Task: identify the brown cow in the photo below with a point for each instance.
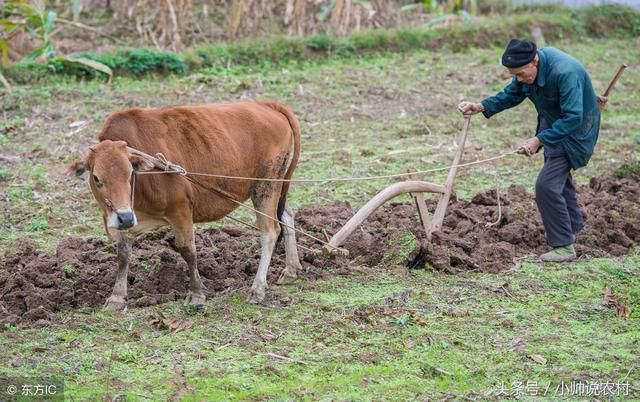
(248, 139)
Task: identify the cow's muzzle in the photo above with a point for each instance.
(122, 219)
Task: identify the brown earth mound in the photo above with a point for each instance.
(473, 239)
(35, 285)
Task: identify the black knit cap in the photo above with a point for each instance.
(518, 53)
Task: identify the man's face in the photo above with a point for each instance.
(526, 73)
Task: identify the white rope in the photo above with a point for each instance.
(258, 229)
(180, 170)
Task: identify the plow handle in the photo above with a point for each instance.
(614, 80)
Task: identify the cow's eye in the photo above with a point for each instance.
(97, 180)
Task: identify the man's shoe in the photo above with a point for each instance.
(560, 254)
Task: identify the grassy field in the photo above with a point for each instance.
(383, 333)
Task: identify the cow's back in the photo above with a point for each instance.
(234, 139)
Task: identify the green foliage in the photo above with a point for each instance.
(140, 61)
(128, 62)
(401, 321)
(494, 7)
(448, 11)
(562, 23)
(90, 66)
(32, 73)
(10, 328)
(38, 21)
(542, 8)
(21, 193)
(629, 170)
(259, 53)
(611, 18)
(33, 18)
(38, 223)
(441, 7)
(400, 246)
(69, 270)
(410, 39)
(373, 40)
(319, 43)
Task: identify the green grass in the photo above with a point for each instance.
(452, 335)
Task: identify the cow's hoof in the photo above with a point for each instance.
(196, 300)
(116, 303)
(286, 277)
(256, 296)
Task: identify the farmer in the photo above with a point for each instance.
(568, 124)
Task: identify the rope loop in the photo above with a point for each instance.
(170, 166)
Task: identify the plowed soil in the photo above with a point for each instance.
(81, 273)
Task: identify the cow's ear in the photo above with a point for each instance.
(77, 168)
(140, 164)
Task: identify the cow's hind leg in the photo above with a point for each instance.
(182, 225)
(117, 300)
(269, 232)
(291, 249)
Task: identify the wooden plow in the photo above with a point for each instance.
(416, 188)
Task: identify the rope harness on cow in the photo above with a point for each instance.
(167, 167)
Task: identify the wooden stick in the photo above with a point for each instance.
(438, 215)
(614, 80)
(5, 83)
(377, 201)
(423, 212)
(270, 354)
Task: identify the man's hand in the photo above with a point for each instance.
(602, 102)
(530, 146)
(469, 108)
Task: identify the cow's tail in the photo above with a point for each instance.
(294, 156)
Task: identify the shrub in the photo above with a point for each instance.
(319, 43)
(141, 61)
(611, 18)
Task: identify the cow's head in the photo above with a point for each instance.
(111, 168)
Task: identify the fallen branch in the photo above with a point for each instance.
(284, 358)
(6, 84)
(89, 28)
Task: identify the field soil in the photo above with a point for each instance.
(81, 273)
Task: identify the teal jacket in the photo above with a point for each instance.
(563, 94)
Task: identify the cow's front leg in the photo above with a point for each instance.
(117, 300)
(196, 296)
(182, 225)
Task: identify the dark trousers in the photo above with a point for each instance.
(556, 196)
